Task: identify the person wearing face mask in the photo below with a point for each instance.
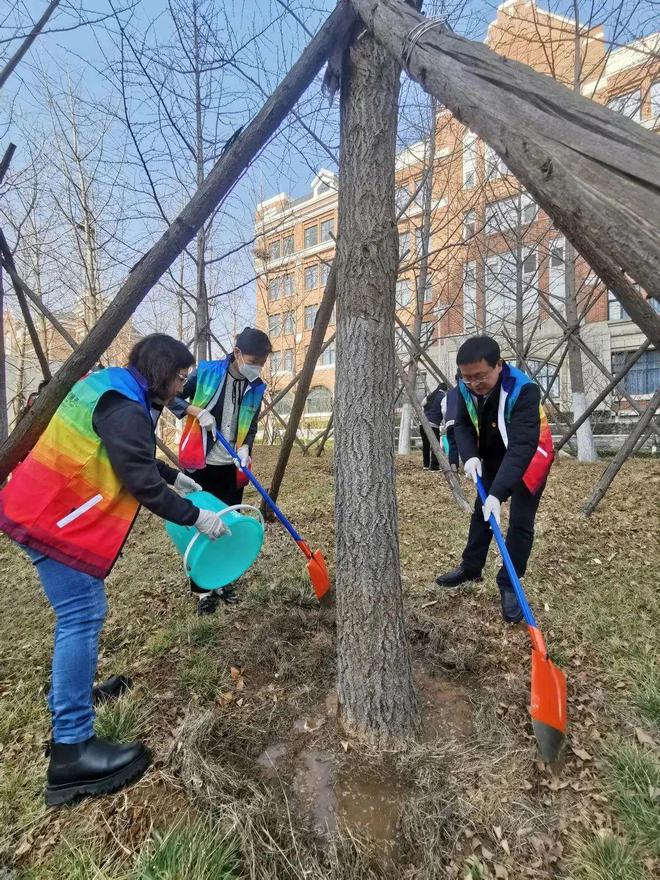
(222, 395)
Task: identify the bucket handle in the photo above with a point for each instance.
(220, 513)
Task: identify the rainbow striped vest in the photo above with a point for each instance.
(513, 381)
(210, 380)
(64, 499)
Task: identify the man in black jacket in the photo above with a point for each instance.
(502, 437)
(432, 405)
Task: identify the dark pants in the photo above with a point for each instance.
(219, 480)
(453, 447)
(519, 536)
(428, 457)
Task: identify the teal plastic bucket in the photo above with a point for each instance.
(213, 564)
(445, 444)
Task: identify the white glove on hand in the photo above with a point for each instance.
(209, 523)
(185, 484)
(243, 452)
(492, 505)
(472, 468)
(207, 421)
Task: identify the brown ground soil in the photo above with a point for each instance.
(240, 708)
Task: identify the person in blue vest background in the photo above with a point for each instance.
(222, 395)
(449, 407)
(503, 437)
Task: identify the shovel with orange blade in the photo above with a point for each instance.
(548, 697)
(316, 567)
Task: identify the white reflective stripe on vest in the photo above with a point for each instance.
(501, 421)
(70, 517)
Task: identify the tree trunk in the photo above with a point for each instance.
(405, 426)
(586, 447)
(146, 272)
(27, 42)
(375, 684)
(4, 416)
(592, 171)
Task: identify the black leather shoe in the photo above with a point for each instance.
(111, 689)
(93, 767)
(229, 595)
(511, 611)
(456, 577)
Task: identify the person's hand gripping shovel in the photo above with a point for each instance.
(318, 572)
(548, 687)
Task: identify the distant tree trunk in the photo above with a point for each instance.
(202, 321)
(4, 420)
(585, 438)
(375, 685)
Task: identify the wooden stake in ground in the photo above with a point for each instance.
(617, 462)
(594, 172)
(375, 686)
(229, 168)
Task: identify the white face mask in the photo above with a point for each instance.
(250, 371)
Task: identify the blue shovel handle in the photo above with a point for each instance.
(506, 558)
(257, 485)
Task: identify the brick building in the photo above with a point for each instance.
(495, 262)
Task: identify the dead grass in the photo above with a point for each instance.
(213, 693)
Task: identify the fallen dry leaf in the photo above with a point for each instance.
(644, 738)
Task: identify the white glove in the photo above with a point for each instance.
(472, 468)
(207, 421)
(243, 452)
(492, 505)
(185, 484)
(209, 523)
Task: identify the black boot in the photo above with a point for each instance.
(511, 611)
(207, 603)
(456, 577)
(93, 767)
(229, 595)
(111, 689)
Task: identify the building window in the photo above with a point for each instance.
(275, 362)
(428, 289)
(287, 285)
(274, 325)
(615, 311)
(495, 167)
(643, 377)
(287, 360)
(557, 281)
(319, 401)
(274, 250)
(401, 198)
(311, 236)
(404, 238)
(501, 216)
(469, 224)
(325, 272)
(402, 293)
(499, 289)
(528, 208)
(274, 289)
(310, 316)
(287, 246)
(426, 332)
(629, 105)
(470, 297)
(544, 377)
(288, 323)
(469, 159)
(283, 407)
(311, 277)
(654, 93)
(327, 230)
(327, 358)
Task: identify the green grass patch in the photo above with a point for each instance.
(605, 858)
(201, 852)
(201, 674)
(646, 689)
(190, 630)
(122, 720)
(78, 860)
(634, 777)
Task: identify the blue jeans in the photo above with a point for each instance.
(80, 606)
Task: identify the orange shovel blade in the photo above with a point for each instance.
(548, 703)
(318, 574)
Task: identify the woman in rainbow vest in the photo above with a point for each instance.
(503, 436)
(222, 395)
(71, 504)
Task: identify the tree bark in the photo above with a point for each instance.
(27, 42)
(586, 447)
(593, 171)
(4, 415)
(304, 382)
(227, 170)
(375, 684)
(621, 456)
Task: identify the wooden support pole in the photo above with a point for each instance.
(4, 416)
(603, 394)
(27, 42)
(6, 160)
(617, 462)
(323, 316)
(436, 446)
(225, 173)
(423, 353)
(594, 172)
(326, 435)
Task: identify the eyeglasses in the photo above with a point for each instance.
(181, 378)
(478, 378)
